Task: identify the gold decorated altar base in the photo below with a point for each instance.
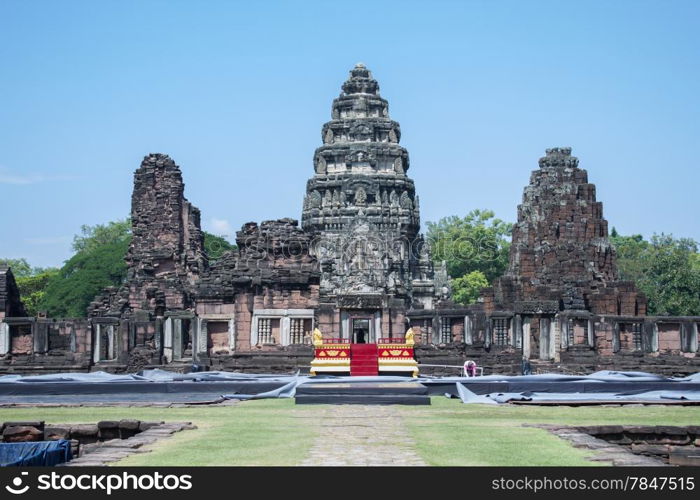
(334, 356)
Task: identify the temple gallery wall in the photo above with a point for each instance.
(357, 268)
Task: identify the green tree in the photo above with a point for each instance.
(83, 276)
(32, 289)
(476, 242)
(466, 289)
(216, 246)
(97, 264)
(665, 269)
(19, 267)
(92, 237)
(632, 256)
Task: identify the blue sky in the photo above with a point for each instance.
(237, 92)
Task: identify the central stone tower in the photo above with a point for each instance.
(362, 211)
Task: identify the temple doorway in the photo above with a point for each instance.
(361, 330)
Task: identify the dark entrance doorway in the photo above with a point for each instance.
(360, 330)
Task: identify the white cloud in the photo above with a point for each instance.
(9, 177)
(220, 227)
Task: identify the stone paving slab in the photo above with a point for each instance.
(362, 435)
(603, 451)
(117, 449)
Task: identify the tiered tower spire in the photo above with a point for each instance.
(360, 202)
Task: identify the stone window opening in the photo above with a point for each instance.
(21, 339)
(218, 336)
(300, 330)
(446, 330)
(500, 331)
(268, 331)
(182, 339)
(428, 329)
(637, 336)
(105, 348)
(630, 336)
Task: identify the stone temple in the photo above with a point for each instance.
(357, 269)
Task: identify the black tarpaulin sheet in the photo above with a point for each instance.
(164, 386)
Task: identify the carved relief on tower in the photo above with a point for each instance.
(394, 199)
(364, 262)
(405, 201)
(360, 158)
(361, 132)
(328, 136)
(320, 164)
(328, 199)
(392, 136)
(398, 165)
(314, 200)
(360, 197)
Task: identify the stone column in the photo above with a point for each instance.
(545, 339)
(565, 334)
(40, 334)
(4, 338)
(177, 338)
(378, 325)
(232, 335)
(517, 323)
(554, 349)
(526, 338)
(98, 342)
(285, 327)
(345, 332)
(254, 330)
(168, 340)
(201, 336)
(111, 345)
(591, 333)
(468, 330)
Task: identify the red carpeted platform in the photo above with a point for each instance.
(363, 360)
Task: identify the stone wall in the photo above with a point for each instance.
(38, 345)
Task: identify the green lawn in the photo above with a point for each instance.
(276, 432)
(451, 433)
(267, 432)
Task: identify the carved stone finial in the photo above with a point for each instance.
(558, 158)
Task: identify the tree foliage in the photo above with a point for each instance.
(20, 267)
(665, 269)
(476, 242)
(466, 289)
(85, 275)
(93, 237)
(32, 289)
(216, 246)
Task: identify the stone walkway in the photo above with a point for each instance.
(362, 435)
